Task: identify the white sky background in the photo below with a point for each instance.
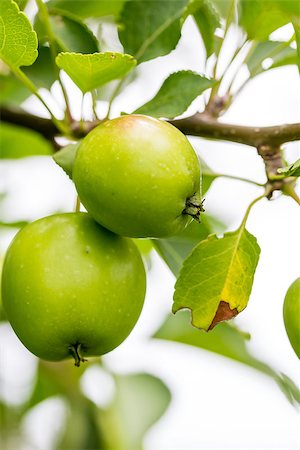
(217, 404)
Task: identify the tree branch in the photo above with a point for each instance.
(205, 126)
(19, 117)
(200, 124)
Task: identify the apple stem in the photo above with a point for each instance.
(75, 352)
(193, 207)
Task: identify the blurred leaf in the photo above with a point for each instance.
(19, 142)
(285, 57)
(21, 3)
(71, 34)
(87, 8)
(175, 249)
(56, 379)
(144, 245)
(292, 170)
(280, 52)
(260, 18)
(215, 281)
(208, 175)
(19, 224)
(81, 431)
(176, 94)
(18, 41)
(207, 20)
(42, 71)
(141, 399)
(150, 28)
(297, 34)
(92, 71)
(12, 91)
(226, 340)
(222, 6)
(65, 158)
(289, 388)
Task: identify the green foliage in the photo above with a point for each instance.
(167, 103)
(297, 34)
(148, 29)
(65, 158)
(211, 271)
(293, 170)
(70, 33)
(12, 91)
(207, 175)
(280, 52)
(175, 249)
(260, 18)
(87, 8)
(218, 270)
(42, 71)
(141, 399)
(225, 340)
(222, 7)
(207, 20)
(19, 142)
(92, 71)
(21, 3)
(18, 41)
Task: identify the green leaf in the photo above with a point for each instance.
(65, 158)
(18, 41)
(21, 4)
(222, 7)
(71, 34)
(207, 175)
(284, 58)
(19, 142)
(280, 52)
(87, 8)
(42, 71)
(207, 20)
(141, 399)
(225, 340)
(176, 94)
(12, 91)
(293, 170)
(92, 71)
(175, 249)
(297, 34)
(215, 281)
(19, 224)
(260, 18)
(148, 29)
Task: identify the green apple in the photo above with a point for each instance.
(71, 287)
(291, 315)
(138, 177)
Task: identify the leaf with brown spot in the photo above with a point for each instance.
(215, 281)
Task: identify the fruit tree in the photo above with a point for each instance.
(130, 103)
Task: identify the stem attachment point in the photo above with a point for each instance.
(193, 207)
(75, 352)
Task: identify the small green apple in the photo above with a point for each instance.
(71, 287)
(291, 315)
(138, 177)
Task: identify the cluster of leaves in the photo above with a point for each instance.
(67, 35)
